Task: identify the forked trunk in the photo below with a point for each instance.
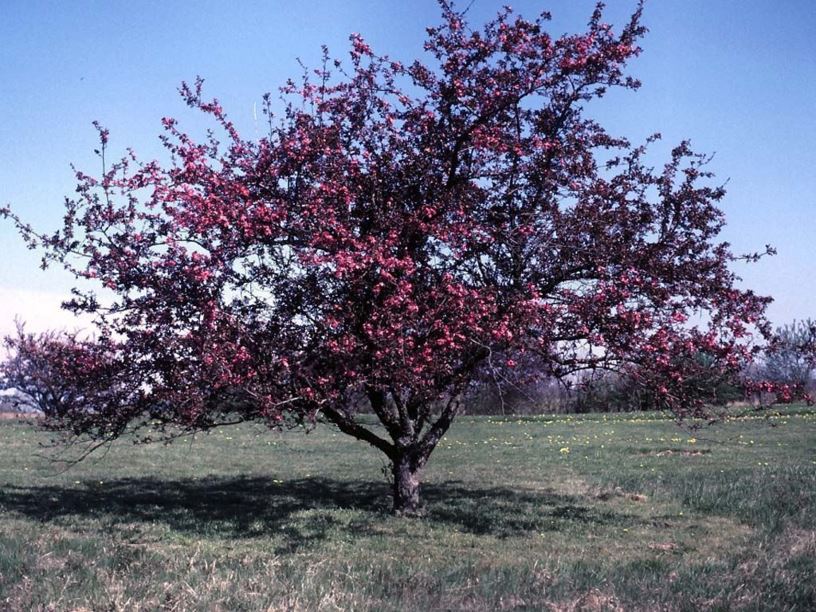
(406, 470)
(407, 451)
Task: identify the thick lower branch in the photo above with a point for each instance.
(379, 404)
(348, 426)
(439, 427)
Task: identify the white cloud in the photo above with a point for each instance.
(39, 310)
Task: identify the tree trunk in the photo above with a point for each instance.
(406, 469)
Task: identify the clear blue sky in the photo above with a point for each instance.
(737, 78)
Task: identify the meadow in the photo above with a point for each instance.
(597, 512)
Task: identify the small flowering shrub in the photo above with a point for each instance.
(402, 230)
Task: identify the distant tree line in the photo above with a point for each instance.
(784, 371)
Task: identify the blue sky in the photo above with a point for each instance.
(737, 78)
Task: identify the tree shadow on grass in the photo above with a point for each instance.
(300, 511)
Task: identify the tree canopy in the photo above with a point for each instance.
(402, 230)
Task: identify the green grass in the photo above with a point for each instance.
(564, 513)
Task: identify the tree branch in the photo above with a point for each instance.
(348, 426)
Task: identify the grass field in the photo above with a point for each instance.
(566, 513)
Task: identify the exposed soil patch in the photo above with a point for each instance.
(685, 452)
(4, 416)
(608, 494)
(664, 546)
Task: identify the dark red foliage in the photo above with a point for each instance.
(401, 229)
(78, 385)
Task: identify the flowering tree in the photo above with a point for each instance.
(61, 375)
(787, 364)
(401, 231)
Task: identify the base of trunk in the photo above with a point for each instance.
(406, 488)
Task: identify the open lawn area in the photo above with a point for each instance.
(564, 513)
